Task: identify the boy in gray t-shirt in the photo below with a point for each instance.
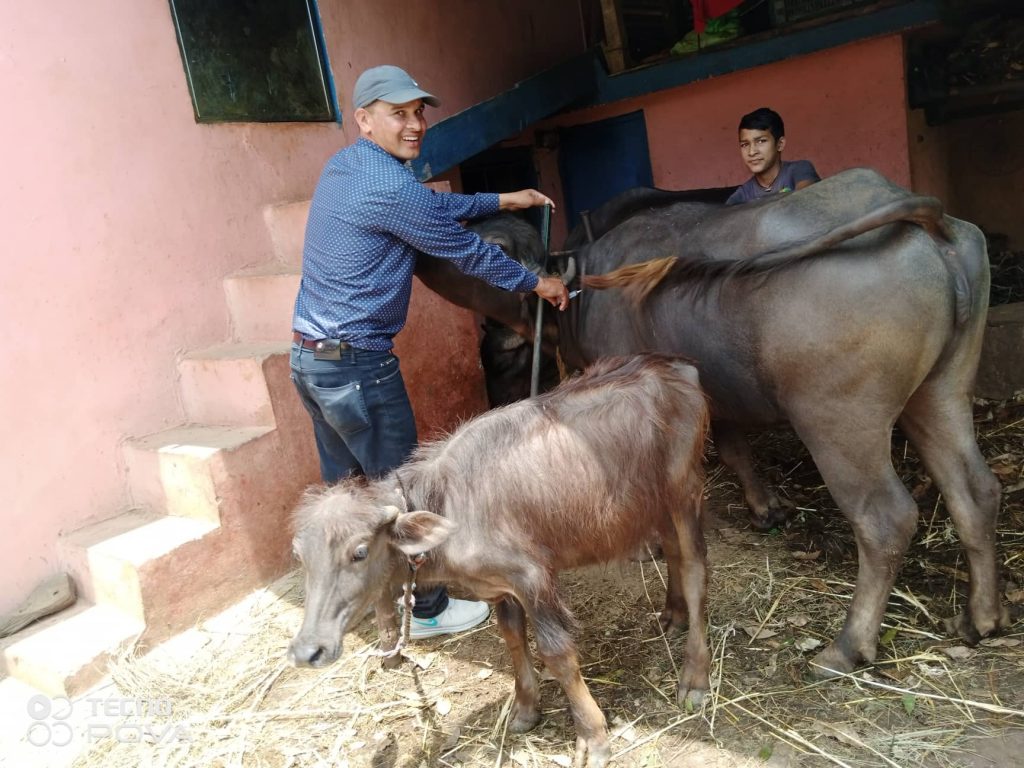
(762, 138)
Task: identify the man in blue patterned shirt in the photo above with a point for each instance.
(368, 219)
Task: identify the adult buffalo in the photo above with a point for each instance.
(842, 309)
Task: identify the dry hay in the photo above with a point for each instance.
(774, 598)
(1007, 268)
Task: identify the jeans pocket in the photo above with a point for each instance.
(343, 407)
(388, 370)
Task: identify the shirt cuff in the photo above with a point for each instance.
(490, 201)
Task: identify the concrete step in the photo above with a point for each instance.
(286, 223)
(184, 471)
(153, 575)
(1001, 368)
(68, 652)
(213, 500)
(261, 302)
(225, 385)
(247, 479)
(114, 561)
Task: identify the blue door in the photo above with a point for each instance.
(600, 160)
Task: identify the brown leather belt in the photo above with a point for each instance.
(305, 343)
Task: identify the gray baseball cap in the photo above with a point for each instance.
(390, 84)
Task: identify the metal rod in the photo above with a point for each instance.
(585, 215)
(545, 236)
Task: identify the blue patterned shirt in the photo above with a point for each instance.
(368, 218)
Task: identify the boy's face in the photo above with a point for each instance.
(759, 150)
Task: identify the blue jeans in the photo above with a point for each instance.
(362, 421)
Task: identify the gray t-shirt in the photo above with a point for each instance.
(786, 181)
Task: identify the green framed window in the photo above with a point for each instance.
(254, 60)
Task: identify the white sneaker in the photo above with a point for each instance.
(459, 616)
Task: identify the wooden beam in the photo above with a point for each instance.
(780, 45)
(483, 125)
(614, 36)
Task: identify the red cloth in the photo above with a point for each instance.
(710, 9)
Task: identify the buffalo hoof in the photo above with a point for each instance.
(774, 515)
(391, 662)
(971, 631)
(831, 663)
(690, 699)
(524, 720)
(592, 753)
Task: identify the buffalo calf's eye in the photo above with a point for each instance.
(360, 553)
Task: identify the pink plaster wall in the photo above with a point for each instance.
(843, 107)
(463, 51)
(121, 216)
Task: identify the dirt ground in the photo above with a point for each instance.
(774, 598)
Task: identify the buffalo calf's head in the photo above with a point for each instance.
(352, 540)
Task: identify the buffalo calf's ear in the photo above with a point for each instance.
(416, 532)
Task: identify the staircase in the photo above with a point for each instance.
(211, 499)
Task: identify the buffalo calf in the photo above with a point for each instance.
(584, 474)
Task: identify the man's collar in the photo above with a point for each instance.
(365, 142)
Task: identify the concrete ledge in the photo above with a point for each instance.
(181, 470)
(286, 223)
(225, 385)
(110, 558)
(66, 653)
(1001, 370)
(261, 303)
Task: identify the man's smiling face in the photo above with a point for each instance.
(396, 128)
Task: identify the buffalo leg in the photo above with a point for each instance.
(857, 468)
(512, 623)
(555, 647)
(693, 578)
(674, 615)
(942, 430)
(733, 449)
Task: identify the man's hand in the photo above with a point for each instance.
(554, 291)
(524, 198)
(551, 289)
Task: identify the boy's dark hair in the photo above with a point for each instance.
(764, 119)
